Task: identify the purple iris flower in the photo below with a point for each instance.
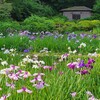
(94, 36)
(83, 72)
(89, 66)
(81, 64)
(69, 38)
(26, 50)
(55, 36)
(72, 66)
(74, 36)
(90, 61)
(67, 33)
(82, 35)
(77, 41)
(32, 37)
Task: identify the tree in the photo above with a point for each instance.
(2, 1)
(59, 4)
(96, 7)
(25, 8)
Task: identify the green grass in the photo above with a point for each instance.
(60, 85)
(55, 45)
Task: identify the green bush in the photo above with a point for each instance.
(96, 7)
(36, 23)
(59, 23)
(7, 27)
(5, 10)
(71, 26)
(82, 25)
(95, 16)
(85, 25)
(95, 23)
(23, 9)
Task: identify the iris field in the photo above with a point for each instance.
(50, 66)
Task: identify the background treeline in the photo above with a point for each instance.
(21, 9)
(44, 15)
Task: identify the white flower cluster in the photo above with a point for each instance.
(3, 63)
(72, 52)
(44, 50)
(34, 61)
(82, 45)
(92, 54)
(11, 51)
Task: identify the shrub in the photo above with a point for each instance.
(36, 23)
(82, 25)
(95, 23)
(26, 8)
(85, 25)
(5, 10)
(95, 16)
(7, 27)
(71, 26)
(96, 7)
(59, 23)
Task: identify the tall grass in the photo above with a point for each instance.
(53, 44)
(61, 86)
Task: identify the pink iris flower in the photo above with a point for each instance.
(48, 67)
(73, 65)
(24, 89)
(13, 67)
(13, 76)
(40, 85)
(26, 74)
(4, 97)
(19, 72)
(11, 85)
(73, 94)
(36, 74)
(38, 77)
(83, 72)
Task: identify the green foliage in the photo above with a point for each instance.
(95, 23)
(36, 23)
(23, 9)
(95, 16)
(96, 7)
(59, 24)
(58, 45)
(88, 25)
(5, 10)
(20, 43)
(96, 30)
(68, 3)
(7, 27)
(96, 10)
(83, 25)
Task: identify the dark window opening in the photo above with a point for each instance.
(76, 16)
